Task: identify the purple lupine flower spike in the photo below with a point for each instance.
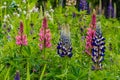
(64, 46)
(98, 49)
(83, 5)
(17, 76)
(110, 10)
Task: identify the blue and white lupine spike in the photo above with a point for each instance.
(64, 46)
(98, 49)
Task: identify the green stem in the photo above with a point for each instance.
(41, 76)
(66, 67)
(1, 12)
(43, 71)
(28, 71)
(21, 49)
(5, 11)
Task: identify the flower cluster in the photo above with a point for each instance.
(17, 76)
(45, 35)
(70, 2)
(110, 10)
(21, 39)
(64, 46)
(90, 34)
(98, 49)
(83, 5)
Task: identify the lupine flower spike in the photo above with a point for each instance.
(98, 49)
(100, 7)
(64, 46)
(83, 5)
(21, 38)
(17, 76)
(115, 10)
(110, 10)
(90, 34)
(45, 35)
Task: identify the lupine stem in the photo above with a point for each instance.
(66, 67)
(41, 76)
(44, 68)
(1, 12)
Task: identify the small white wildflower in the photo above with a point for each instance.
(18, 15)
(24, 12)
(5, 17)
(24, 1)
(34, 9)
(18, 5)
(14, 13)
(48, 15)
(51, 19)
(19, 9)
(3, 7)
(8, 16)
(5, 3)
(4, 20)
(51, 10)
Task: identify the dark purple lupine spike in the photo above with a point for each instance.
(83, 5)
(98, 49)
(17, 76)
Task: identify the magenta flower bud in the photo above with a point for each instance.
(44, 24)
(21, 27)
(93, 23)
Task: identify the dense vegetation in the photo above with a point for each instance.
(31, 63)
